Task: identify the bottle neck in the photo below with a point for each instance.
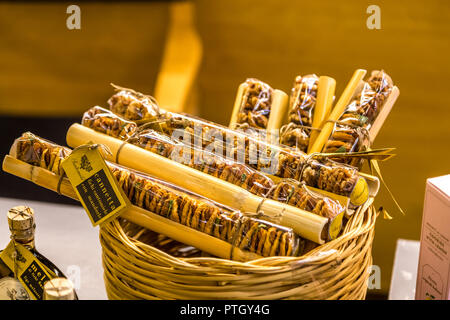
(29, 244)
(24, 237)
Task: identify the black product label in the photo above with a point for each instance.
(98, 196)
(34, 279)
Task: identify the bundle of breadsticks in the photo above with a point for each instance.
(171, 202)
(262, 195)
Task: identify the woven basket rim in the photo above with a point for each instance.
(335, 270)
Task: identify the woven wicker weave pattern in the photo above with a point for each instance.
(336, 270)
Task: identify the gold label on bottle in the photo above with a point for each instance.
(94, 184)
(29, 271)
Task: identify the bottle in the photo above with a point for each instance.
(22, 226)
(59, 289)
(10, 286)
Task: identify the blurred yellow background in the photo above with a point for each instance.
(48, 70)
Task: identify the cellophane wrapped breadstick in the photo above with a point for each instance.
(179, 205)
(231, 171)
(283, 162)
(40, 152)
(255, 106)
(301, 110)
(246, 233)
(133, 105)
(207, 162)
(175, 248)
(299, 196)
(235, 173)
(105, 121)
(350, 132)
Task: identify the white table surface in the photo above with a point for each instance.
(64, 235)
(404, 273)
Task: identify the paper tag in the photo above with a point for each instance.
(31, 273)
(96, 187)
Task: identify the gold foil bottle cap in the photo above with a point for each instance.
(21, 219)
(59, 289)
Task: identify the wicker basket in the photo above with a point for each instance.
(139, 264)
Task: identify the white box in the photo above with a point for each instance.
(433, 273)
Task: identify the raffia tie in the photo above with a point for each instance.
(259, 214)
